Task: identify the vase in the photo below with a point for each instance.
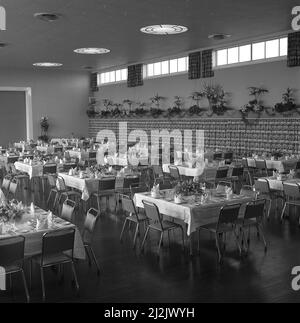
(177, 199)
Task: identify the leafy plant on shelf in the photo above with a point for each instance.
(177, 109)
(155, 110)
(108, 104)
(116, 112)
(141, 109)
(195, 109)
(44, 123)
(129, 104)
(91, 111)
(288, 102)
(216, 97)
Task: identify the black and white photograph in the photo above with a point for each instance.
(149, 154)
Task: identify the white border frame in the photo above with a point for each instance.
(28, 103)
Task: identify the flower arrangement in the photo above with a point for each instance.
(177, 107)
(44, 123)
(156, 111)
(255, 105)
(288, 102)
(116, 112)
(12, 211)
(216, 97)
(108, 105)
(189, 187)
(195, 109)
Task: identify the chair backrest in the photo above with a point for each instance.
(157, 171)
(52, 180)
(262, 186)
(291, 190)
(255, 210)
(50, 169)
(228, 156)
(128, 206)
(58, 149)
(139, 189)
(229, 214)
(57, 242)
(152, 213)
(131, 182)
(68, 166)
(61, 185)
(11, 250)
(222, 172)
(5, 184)
(261, 164)
(92, 155)
(107, 184)
(297, 166)
(91, 219)
(217, 156)
(67, 211)
(245, 163)
(237, 171)
(223, 185)
(174, 172)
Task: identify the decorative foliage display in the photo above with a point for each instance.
(44, 123)
(189, 187)
(177, 109)
(155, 110)
(108, 105)
(216, 97)
(288, 102)
(195, 109)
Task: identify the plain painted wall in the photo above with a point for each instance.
(275, 76)
(60, 95)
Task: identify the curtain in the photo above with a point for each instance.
(206, 64)
(195, 65)
(94, 82)
(135, 75)
(293, 49)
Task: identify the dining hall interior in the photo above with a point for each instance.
(149, 151)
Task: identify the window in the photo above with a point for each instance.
(177, 65)
(112, 77)
(263, 50)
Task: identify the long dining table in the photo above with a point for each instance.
(193, 214)
(33, 233)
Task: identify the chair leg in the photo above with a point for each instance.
(260, 228)
(144, 240)
(25, 286)
(218, 247)
(237, 242)
(160, 243)
(98, 202)
(182, 234)
(88, 255)
(136, 234)
(269, 209)
(95, 260)
(198, 248)
(75, 276)
(43, 283)
(283, 212)
(123, 229)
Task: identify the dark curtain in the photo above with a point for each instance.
(94, 82)
(206, 64)
(135, 75)
(195, 65)
(293, 49)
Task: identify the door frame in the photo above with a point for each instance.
(28, 104)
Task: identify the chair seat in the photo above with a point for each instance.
(212, 227)
(14, 268)
(246, 222)
(142, 218)
(53, 259)
(167, 225)
(104, 193)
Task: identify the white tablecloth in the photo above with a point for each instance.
(47, 150)
(279, 165)
(194, 216)
(31, 170)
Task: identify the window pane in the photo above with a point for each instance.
(245, 53)
(112, 76)
(258, 51)
(124, 74)
(118, 76)
(157, 69)
(106, 77)
(102, 78)
(222, 57)
(283, 46)
(233, 55)
(173, 66)
(150, 70)
(165, 67)
(272, 48)
(182, 64)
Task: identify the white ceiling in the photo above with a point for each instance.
(115, 24)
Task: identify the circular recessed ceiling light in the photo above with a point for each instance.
(92, 51)
(47, 64)
(164, 29)
(47, 16)
(219, 36)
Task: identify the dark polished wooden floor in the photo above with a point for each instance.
(128, 276)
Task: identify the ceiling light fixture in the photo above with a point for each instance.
(47, 16)
(219, 36)
(47, 64)
(92, 51)
(164, 29)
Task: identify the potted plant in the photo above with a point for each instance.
(195, 109)
(116, 112)
(287, 104)
(91, 111)
(44, 123)
(216, 97)
(107, 104)
(156, 110)
(178, 193)
(141, 109)
(129, 104)
(176, 110)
